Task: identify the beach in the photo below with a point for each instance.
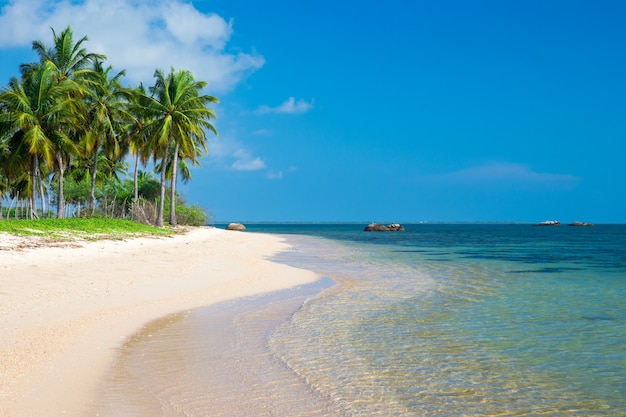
(438, 320)
(66, 309)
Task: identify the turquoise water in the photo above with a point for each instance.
(461, 320)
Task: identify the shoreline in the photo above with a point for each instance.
(64, 311)
(214, 360)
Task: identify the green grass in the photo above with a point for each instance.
(89, 229)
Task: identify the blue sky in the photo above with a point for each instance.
(368, 111)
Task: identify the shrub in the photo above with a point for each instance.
(191, 215)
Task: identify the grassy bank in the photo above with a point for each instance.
(88, 229)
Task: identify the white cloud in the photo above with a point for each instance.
(248, 164)
(503, 173)
(229, 153)
(278, 175)
(289, 106)
(275, 175)
(245, 161)
(137, 35)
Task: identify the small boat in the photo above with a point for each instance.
(549, 223)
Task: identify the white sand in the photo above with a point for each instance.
(64, 310)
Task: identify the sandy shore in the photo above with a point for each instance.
(64, 310)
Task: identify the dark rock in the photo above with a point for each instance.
(580, 224)
(377, 227)
(236, 226)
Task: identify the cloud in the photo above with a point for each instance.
(289, 106)
(245, 161)
(226, 152)
(137, 35)
(275, 175)
(502, 173)
(278, 175)
(230, 154)
(248, 164)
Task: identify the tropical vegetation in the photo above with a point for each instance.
(88, 229)
(70, 129)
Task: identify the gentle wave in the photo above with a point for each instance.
(480, 325)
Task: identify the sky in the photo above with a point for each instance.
(363, 111)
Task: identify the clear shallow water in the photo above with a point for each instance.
(439, 320)
(212, 361)
(447, 320)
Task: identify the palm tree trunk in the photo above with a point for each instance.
(159, 221)
(32, 201)
(92, 192)
(136, 178)
(173, 187)
(60, 194)
(33, 187)
(42, 196)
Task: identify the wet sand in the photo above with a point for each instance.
(65, 312)
(213, 361)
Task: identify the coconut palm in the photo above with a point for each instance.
(71, 62)
(106, 119)
(183, 169)
(178, 117)
(71, 59)
(38, 110)
(137, 140)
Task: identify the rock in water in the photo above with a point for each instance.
(236, 226)
(377, 227)
(580, 224)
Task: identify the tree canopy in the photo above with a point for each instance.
(69, 119)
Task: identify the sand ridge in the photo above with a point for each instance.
(64, 310)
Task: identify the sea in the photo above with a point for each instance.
(436, 320)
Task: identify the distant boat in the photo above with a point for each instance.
(580, 224)
(549, 223)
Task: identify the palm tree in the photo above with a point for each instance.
(178, 118)
(70, 59)
(137, 140)
(148, 186)
(38, 108)
(70, 62)
(106, 118)
(183, 169)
